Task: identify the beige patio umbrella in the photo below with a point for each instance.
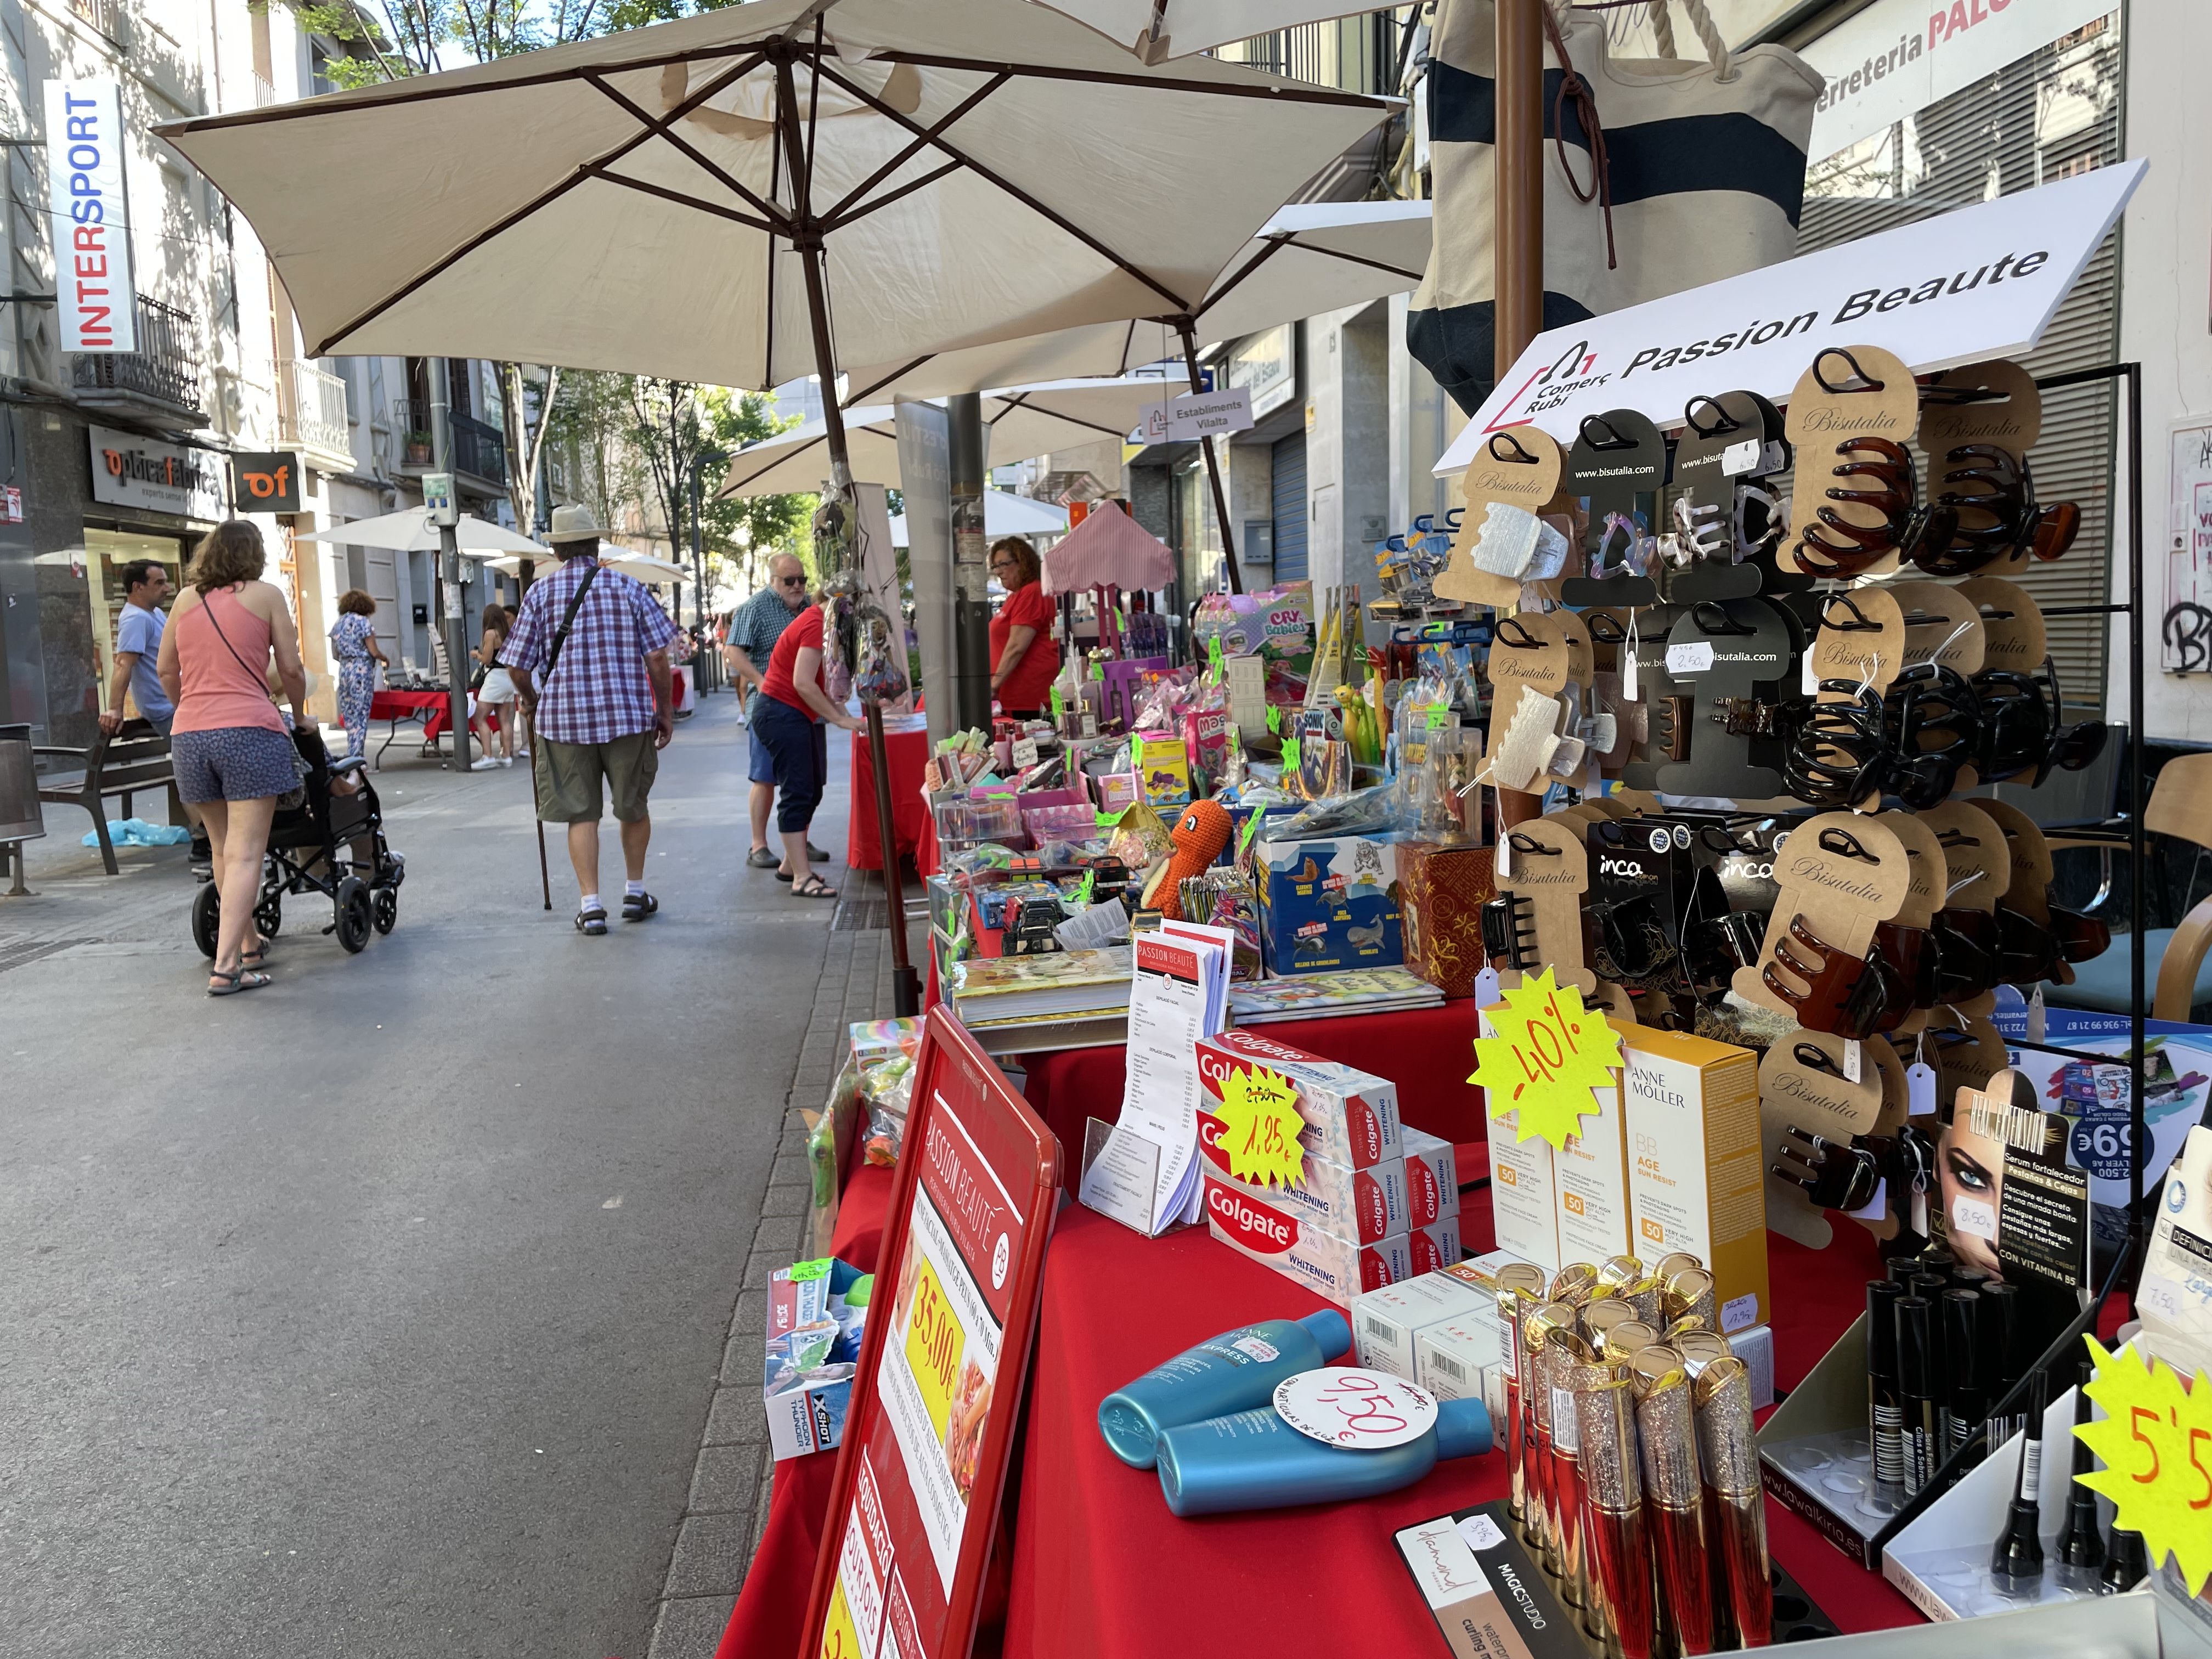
(410, 531)
(1157, 30)
(1019, 423)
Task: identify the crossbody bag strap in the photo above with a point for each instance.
(567, 619)
(207, 609)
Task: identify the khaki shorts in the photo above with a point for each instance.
(568, 778)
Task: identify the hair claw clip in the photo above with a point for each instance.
(1844, 996)
(1835, 1175)
(1508, 933)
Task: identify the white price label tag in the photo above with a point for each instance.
(1026, 752)
(1919, 1089)
(1693, 658)
(1920, 1214)
(1488, 993)
(1481, 1533)
(1741, 458)
(1974, 1219)
(1877, 1207)
(2036, 1017)
(1854, 1061)
(1346, 1406)
(1809, 676)
(1628, 678)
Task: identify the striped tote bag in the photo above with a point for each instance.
(1660, 173)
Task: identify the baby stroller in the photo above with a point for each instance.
(318, 847)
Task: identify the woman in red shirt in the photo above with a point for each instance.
(788, 719)
(1024, 659)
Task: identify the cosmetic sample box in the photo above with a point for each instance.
(1695, 1179)
(1386, 1323)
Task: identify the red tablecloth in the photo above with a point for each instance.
(909, 753)
(1428, 1052)
(1101, 1568)
(434, 708)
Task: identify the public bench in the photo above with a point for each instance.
(135, 759)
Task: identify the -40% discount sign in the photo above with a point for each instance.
(2156, 1442)
(1549, 1053)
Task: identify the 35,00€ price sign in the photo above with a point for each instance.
(2156, 1440)
(1549, 1053)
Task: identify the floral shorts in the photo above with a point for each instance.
(233, 762)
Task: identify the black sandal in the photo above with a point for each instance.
(592, 922)
(813, 888)
(236, 980)
(636, 907)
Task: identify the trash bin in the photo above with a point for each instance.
(19, 818)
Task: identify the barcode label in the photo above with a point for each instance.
(1450, 1367)
(1889, 1445)
(1382, 1327)
(1566, 1432)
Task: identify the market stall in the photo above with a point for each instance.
(908, 752)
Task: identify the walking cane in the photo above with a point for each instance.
(544, 880)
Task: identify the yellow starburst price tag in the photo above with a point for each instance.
(1549, 1053)
(1259, 1126)
(2156, 1442)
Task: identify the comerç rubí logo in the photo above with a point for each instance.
(1259, 1229)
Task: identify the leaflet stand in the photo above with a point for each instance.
(1120, 1188)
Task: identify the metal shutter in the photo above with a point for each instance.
(2055, 112)
(1290, 504)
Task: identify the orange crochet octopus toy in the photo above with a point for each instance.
(1199, 835)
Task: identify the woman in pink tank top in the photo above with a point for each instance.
(231, 749)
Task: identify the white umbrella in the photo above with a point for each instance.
(1306, 260)
(649, 569)
(1005, 513)
(1022, 423)
(1157, 30)
(719, 199)
(410, 531)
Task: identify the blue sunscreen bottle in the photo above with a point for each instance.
(1230, 1372)
(1254, 1461)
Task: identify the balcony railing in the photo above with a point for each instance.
(106, 15)
(478, 448)
(165, 368)
(311, 407)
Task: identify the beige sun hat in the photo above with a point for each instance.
(574, 523)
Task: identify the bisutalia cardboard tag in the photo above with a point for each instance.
(1940, 625)
(1801, 1085)
(1968, 1065)
(1533, 649)
(1581, 656)
(1846, 394)
(1930, 870)
(1839, 875)
(2029, 853)
(2012, 633)
(1862, 637)
(1520, 468)
(1976, 859)
(1551, 870)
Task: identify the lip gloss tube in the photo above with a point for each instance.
(1699, 1349)
(1626, 1339)
(1729, 1463)
(1601, 1316)
(1690, 1295)
(1519, 1288)
(1620, 1270)
(1563, 1352)
(1674, 1496)
(1672, 1262)
(1619, 1542)
(1574, 1283)
(1537, 1325)
(1966, 1401)
(1649, 1301)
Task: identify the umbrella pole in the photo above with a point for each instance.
(906, 985)
(1518, 277)
(1212, 462)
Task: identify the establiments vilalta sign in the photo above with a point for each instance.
(1979, 283)
(93, 287)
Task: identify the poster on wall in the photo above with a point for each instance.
(2186, 630)
(93, 287)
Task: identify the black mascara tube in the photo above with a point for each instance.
(2016, 1564)
(1929, 1288)
(1964, 1402)
(1916, 1391)
(2005, 1357)
(1884, 1407)
(2081, 1548)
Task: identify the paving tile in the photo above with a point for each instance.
(725, 1480)
(737, 1417)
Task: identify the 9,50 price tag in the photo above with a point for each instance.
(1364, 1410)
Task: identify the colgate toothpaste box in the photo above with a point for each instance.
(1431, 1176)
(1351, 1116)
(1360, 1205)
(1435, 1247)
(1331, 1267)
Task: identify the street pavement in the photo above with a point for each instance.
(378, 1312)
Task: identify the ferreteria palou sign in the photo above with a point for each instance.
(1983, 282)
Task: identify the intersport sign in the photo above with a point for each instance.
(1983, 282)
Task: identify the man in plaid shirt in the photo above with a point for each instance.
(605, 712)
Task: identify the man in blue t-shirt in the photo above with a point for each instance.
(137, 652)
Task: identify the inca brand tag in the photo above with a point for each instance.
(1358, 1410)
(2012, 633)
